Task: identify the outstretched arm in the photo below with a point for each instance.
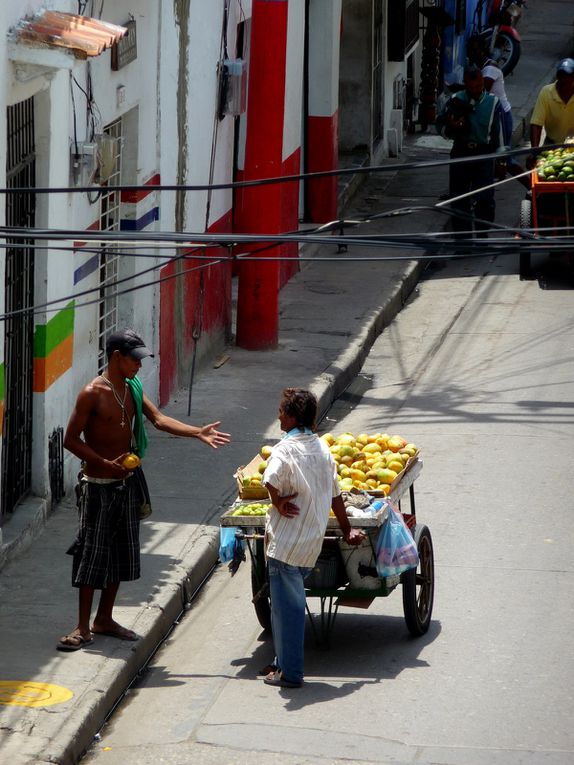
(207, 433)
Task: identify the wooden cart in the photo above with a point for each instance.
(334, 588)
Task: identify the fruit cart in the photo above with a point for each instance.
(345, 575)
(550, 210)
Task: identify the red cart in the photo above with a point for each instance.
(548, 214)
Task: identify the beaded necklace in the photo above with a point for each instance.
(121, 402)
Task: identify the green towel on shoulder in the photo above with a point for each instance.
(140, 435)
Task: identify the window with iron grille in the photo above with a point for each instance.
(19, 296)
(110, 205)
(56, 464)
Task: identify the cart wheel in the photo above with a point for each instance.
(525, 222)
(418, 585)
(260, 590)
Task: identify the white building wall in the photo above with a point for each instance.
(324, 47)
(54, 120)
(294, 78)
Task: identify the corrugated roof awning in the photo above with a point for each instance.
(80, 35)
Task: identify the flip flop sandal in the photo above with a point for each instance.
(123, 634)
(73, 642)
(268, 669)
(277, 679)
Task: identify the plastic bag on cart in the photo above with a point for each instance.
(396, 549)
(231, 549)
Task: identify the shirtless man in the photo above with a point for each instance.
(107, 551)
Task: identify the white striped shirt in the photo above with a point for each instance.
(303, 465)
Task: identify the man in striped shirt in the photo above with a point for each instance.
(301, 478)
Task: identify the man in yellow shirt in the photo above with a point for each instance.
(554, 109)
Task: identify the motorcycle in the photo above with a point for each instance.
(497, 28)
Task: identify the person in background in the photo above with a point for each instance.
(554, 110)
(108, 413)
(301, 478)
(471, 118)
(479, 54)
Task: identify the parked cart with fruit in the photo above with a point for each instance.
(373, 478)
(550, 210)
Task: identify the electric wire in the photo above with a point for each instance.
(361, 170)
(522, 239)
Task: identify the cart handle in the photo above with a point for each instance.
(241, 535)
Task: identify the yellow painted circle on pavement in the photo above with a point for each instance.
(25, 693)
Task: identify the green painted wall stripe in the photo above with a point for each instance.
(49, 336)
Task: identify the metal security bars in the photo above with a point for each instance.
(110, 202)
(56, 464)
(19, 294)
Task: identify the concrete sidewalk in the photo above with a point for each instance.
(330, 315)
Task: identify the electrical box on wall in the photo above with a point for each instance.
(83, 163)
(234, 87)
(93, 162)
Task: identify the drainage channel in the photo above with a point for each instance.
(188, 599)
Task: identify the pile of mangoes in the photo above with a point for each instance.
(556, 165)
(369, 462)
(253, 508)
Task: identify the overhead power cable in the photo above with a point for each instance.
(389, 168)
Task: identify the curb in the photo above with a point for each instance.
(155, 622)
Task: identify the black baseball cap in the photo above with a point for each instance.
(566, 66)
(128, 343)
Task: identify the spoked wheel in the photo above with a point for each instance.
(526, 223)
(418, 585)
(506, 52)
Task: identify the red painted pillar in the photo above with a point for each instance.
(259, 209)
(322, 120)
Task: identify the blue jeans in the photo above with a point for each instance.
(288, 616)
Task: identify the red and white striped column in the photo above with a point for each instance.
(322, 120)
(273, 106)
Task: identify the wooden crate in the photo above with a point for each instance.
(250, 492)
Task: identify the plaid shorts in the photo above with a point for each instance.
(107, 548)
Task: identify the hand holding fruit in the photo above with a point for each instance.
(131, 461)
